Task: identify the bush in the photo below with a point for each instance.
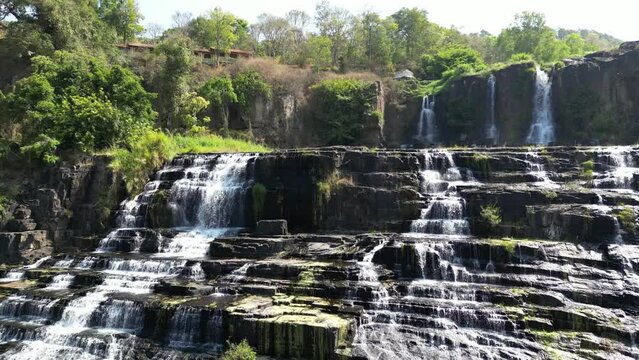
(628, 219)
(451, 61)
(587, 169)
(75, 101)
(521, 57)
(490, 216)
(249, 84)
(342, 108)
(241, 351)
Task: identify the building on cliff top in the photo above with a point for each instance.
(210, 56)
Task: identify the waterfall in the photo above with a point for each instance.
(619, 165)
(444, 213)
(61, 282)
(491, 127)
(536, 168)
(542, 129)
(205, 196)
(427, 126)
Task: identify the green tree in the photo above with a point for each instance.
(373, 45)
(413, 32)
(219, 92)
(334, 23)
(223, 30)
(78, 102)
(123, 16)
(529, 34)
(318, 52)
(434, 66)
(172, 81)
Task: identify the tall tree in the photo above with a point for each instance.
(334, 23)
(123, 16)
(412, 31)
(372, 42)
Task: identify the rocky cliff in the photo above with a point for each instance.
(63, 207)
(499, 253)
(594, 101)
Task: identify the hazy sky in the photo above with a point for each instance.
(616, 17)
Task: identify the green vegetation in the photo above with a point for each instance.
(628, 219)
(77, 101)
(326, 187)
(241, 351)
(490, 215)
(151, 150)
(587, 169)
(342, 108)
(550, 195)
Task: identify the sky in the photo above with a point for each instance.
(615, 17)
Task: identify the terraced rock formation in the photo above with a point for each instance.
(502, 253)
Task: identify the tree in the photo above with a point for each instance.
(153, 32)
(334, 23)
(412, 31)
(318, 52)
(181, 19)
(435, 66)
(274, 34)
(123, 16)
(219, 92)
(78, 102)
(172, 82)
(530, 34)
(372, 41)
(223, 30)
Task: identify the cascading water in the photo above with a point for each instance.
(620, 167)
(542, 128)
(492, 135)
(427, 126)
(536, 168)
(444, 213)
(205, 200)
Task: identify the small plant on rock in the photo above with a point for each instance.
(490, 216)
(241, 351)
(628, 219)
(587, 170)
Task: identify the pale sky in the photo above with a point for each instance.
(615, 17)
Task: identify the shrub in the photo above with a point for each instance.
(490, 216)
(75, 101)
(341, 109)
(241, 351)
(249, 84)
(521, 57)
(628, 219)
(451, 62)
(587, 169)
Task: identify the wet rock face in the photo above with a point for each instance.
(502, 253)
(594, 101)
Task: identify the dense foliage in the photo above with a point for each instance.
(77, 101)
(341, 108)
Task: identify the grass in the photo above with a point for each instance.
(588, 169)
(152, 149)
(214, 144)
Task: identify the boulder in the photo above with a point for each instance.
(271, 227)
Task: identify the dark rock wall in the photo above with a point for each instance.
(595, 101)
(71, 203)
